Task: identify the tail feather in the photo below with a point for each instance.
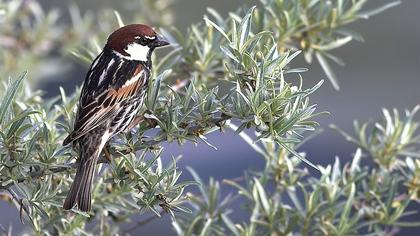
(74, 189)
(84, 197)
(80, 190)
(90, 148)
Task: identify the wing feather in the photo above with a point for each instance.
(105, 92)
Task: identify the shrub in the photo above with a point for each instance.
(224, 73)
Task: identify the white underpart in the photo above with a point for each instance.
(133, 80)
(137, 52)
(102, 77)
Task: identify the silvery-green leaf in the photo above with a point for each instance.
(327, 69)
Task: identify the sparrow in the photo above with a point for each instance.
(113, 91)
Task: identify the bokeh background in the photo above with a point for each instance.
(382, 72)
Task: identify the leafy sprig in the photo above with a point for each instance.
(234, 72)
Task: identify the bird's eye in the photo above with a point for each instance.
(141, 40)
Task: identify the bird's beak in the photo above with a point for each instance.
(160, 41)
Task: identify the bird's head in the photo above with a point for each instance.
(135, 42)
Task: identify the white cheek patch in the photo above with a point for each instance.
(137, 52)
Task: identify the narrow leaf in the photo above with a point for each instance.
(327, 69)
(10, 94)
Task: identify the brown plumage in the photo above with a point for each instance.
(112, 94)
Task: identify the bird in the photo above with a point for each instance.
(113, 91)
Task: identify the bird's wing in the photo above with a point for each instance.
(109, 83)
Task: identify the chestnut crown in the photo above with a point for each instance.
(135, 41)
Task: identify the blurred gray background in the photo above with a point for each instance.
(382, 72)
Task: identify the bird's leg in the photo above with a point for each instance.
(141, 118)
(135, 122)
(107, 152)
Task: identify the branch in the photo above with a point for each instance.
(40, 173)
(194, 130)
(19, 201)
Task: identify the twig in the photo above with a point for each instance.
(40, 173)
(101, 226)
(193, 130)
(19, 201)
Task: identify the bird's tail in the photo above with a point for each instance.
(80, 190)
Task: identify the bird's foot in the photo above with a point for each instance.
(135, 122)
(107, 153)
(138, 119)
